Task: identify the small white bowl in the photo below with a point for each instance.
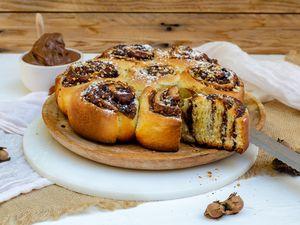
(41, 78)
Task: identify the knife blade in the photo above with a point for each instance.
(275, 149)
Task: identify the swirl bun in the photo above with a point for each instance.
(206, 77)
(81, 73)
(214, 75)
(159, 122)
(187, 53)
(153, 74)
(104, 111)
(136, 91)
(132, 52)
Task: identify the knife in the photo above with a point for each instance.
(275, 149)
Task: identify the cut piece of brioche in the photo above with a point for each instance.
(217, 121)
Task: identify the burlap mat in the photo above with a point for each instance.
(281, 122)
(50, 203)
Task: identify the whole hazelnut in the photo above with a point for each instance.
(234, 204)
(3, 155)
(214, 210)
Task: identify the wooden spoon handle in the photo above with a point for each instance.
(39, 25)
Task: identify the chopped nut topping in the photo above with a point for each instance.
(212, 73)
(186, 52)
(160, 70)
(83, 72)
(215, 75)
(136, 51)
(115, 96)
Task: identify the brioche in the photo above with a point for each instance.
(159, 121)
(104, 111)
(156, 96)
(210, 78)
(217, 121)
(79, 74)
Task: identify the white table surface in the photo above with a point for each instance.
(268, 200)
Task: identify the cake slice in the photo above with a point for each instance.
(217, 121)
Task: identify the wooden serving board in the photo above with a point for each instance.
(134, 156)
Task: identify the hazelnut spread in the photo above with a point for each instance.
(166, 102)
(49, 50)
(83, 72)
(115, 96)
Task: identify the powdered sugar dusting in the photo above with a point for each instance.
(142, 74)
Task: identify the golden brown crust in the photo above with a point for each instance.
(154, 130)
(241, 128)
(99, 123)
(243, 125)
(64, 94)
(92, 122)
(81, 73)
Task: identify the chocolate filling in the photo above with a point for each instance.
(213, 112)
(166, 102)
(136, 51)
(213, 74)
(224, 126)
(115, 96)
(234, 135)
(87, 71)
(188, 118)
(240, 110)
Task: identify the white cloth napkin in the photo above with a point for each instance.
(16, 176)
(16, 115)
(267, 79)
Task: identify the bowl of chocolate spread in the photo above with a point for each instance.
(48, 58)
